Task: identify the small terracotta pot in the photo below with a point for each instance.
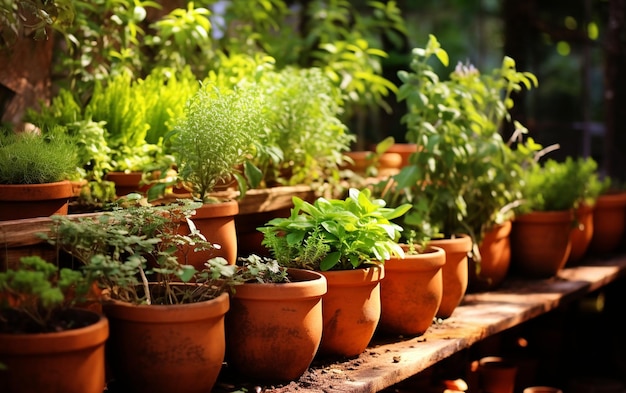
(609, 221)
(166, 348)
(19, 201)
(542, 389)
(455, 272)
(582, 233)
(540, 242)
(351, 310)
(495, 254)
(411, 292)
(496, 375)
(404, 149)
(273, 331)
(71, 361)
(127, 183)
(216, 221)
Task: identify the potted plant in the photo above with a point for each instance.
(347, 241)
(48, 343)
(540, 238)
(609, 218)
(212, 143)
(462, 179)
(34, 172)
(412, 290)
(590, 187)
(274, 325)
(166, 317)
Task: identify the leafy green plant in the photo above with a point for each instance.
(334, 234)
(260, 269)
(35, 296)
(558, 185)
(464, 177)
(216, 136)
(305, 137)
(31, 158)
(129, 248)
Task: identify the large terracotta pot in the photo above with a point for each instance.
(609, 220)
(581, 233)
(540, 242)
(19, 201)
(71, 361)
(455, 272)
(273, 331)
(351, 310)
(495, 259)
(216, 221)
(166, 348)
(411, 292)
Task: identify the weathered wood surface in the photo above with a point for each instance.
(390, 360)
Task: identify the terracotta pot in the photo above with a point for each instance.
(388, 163)
(166, 348)
(273, 331)
(19, 201)
(495, 259)
(127, 183)
(496, 375)
(405, 150)
(455, 272)
(609, 220)
(71, 361)
(351, 310)
(216, 221)
(541, 389)
(411, 292)
(582, 233)
(540, 242)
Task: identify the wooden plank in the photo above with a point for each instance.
(390, 360)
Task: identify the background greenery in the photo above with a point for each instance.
(575, 48)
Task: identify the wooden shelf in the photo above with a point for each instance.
(390, 360)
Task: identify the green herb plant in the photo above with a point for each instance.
(31, 158)
(559, 185)
(464, 177)
(37, 294)
(214, 140)
(305, 137)
(135, 253)
(335, 234)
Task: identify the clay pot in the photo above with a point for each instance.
(216, 221)
(411, 292)
(19, 201)
(454, 272)
(404, 149)
(70, 361)
(540, 242)
(351, 310)
(388, 163)
(127, 183)
(495, 259)
(273, 331)
(609, 221)
(166, 348)
(582, 233)
(541, 389)
(496, 375)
